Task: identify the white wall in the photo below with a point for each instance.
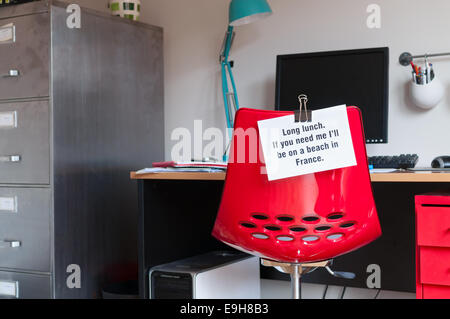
(194, 31)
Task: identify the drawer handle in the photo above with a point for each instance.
(10, 159)
(10, 244)
(12, 74)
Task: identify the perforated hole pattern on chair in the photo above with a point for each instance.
(306, 218)
(308, 229)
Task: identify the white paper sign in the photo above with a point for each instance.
(293, 149)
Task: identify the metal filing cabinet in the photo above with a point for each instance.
(79, 109)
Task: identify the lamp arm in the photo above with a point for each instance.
(227, 44)
(229, 97)
(225, 93)
(233, 84)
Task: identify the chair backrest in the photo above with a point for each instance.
(301, 219)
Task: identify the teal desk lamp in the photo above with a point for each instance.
(241, 12)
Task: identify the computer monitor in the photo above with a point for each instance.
(351, 77)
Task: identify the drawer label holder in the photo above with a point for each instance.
(8, 204)
(9, 289)
(8, 120)
(8, 33)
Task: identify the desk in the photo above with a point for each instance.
(175, 222)
(399, 176)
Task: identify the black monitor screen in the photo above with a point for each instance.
(353, 77)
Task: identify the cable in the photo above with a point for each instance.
(377, 294)
(325, 292)
(343, 292)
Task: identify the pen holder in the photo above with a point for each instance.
(427, 96)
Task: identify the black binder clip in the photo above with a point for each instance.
(300, 115)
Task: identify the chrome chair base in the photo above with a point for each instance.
(295, 271)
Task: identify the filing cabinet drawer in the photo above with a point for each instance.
(435, 292)
(25, 229)
(24, 286)
(25, 143)
(434, 266)
(24, 59)
(433, 226)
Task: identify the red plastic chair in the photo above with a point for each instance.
(298, 220)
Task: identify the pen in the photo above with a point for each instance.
(413, 67)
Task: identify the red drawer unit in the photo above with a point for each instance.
(433, 246)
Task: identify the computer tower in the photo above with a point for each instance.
(215, 275)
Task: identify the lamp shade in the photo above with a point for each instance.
(247, 11)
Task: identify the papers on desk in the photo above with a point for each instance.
(180, 165)
(166, 167)
(177, 170)
(383, 170)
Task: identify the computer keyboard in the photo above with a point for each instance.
(401, 161)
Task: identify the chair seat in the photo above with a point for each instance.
(302, 219)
